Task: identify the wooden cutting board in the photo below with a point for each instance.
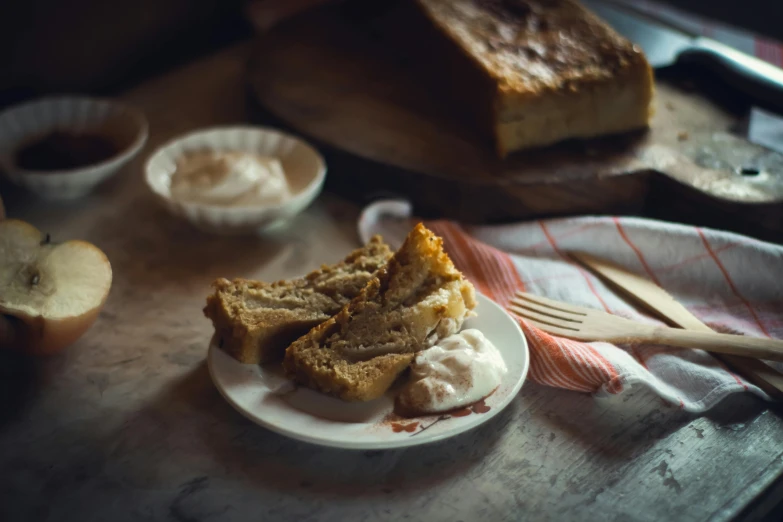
(342, 82)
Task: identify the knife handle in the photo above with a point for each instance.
(747, 73)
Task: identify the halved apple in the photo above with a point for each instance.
(55, 291)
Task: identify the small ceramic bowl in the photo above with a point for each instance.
(123, 126)
(304, 168)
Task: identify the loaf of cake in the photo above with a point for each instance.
(417, 298)
(534, 72)
(255, 321)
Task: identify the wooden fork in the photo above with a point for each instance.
(586, 324)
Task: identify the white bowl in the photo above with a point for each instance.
(125, 126)
(304, 168)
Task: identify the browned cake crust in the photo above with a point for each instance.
(533, 72)
(255, 321)
(417, 298)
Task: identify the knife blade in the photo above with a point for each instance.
(657, 300)
(664, 44)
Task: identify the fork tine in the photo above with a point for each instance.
(545, 310)
(544, 319)
(562, 332)
(551, 303)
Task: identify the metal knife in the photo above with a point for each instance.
(657, 300)
(664, 44)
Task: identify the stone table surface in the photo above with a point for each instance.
(126, 424)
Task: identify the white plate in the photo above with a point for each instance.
(264, 396)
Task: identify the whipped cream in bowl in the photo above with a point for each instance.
(456, 372)
(236, 180)
(229, 179)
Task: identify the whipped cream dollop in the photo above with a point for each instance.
(229, 179)
(457, 371)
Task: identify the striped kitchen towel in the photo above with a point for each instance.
(731, 282)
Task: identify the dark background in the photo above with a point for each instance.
(101, 46)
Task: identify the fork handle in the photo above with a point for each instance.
(720, 343)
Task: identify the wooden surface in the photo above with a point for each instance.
(126, 424)
(345, 83)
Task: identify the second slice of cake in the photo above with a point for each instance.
(417, 298)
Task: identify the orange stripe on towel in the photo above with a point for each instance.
(554, 361)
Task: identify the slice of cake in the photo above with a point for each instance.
(417, 298)
(255, 321)
(535, 72)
